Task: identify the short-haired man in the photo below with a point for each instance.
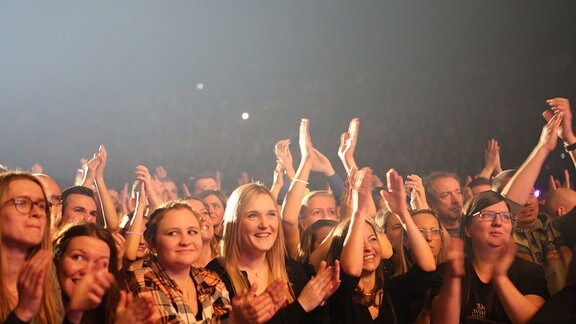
(78, 205)
(445, 197)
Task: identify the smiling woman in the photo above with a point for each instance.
(254, 260)
(25, 251)
(180, 291)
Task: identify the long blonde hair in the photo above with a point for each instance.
(240, 199)
(48, 310)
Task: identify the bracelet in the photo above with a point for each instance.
(134, 233)
(569, 148)
(298, 180)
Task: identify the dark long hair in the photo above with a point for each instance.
(476, 204)
(105, 312)
(338, 238)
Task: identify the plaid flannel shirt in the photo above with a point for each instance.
(153, 281)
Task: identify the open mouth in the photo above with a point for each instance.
(262, 235)
(369, 257)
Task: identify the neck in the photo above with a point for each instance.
(206, 256)
(449, 223)
(483, 262)
(254, 263)
(367, 281)
(179, 275)
(526, 225)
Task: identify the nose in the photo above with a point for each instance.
(36, 211)
(367, 246)
(497, 220)
(427, 236)
(263, 222)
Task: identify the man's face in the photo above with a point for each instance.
(447, 199)
(205, 184)
(79, 208)
(170, 190)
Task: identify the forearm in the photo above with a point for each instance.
(337, 185)
(293, 201)
(108, 208)
(519, 187)
(446, 306)
(134, 233)
(351, 259)
(418, 245)
(518, 307)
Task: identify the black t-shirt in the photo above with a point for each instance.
(401, 302)
(483, 305)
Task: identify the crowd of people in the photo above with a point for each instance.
(414, 249)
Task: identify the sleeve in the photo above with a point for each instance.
(529, 278)
(436, 281)
(13, 319)
(337, 185)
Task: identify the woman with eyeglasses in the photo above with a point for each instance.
(26, 289)
(487, 281)
(483, 279)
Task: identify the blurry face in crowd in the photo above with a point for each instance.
(79, 208)
(320, 235)
(178, 240)
(54, 194)
(205, 184)
(215, 208)
(259, 225)
(170, 190)
(429, 227)
(529, 211)
(207, 225)
(84, 254)
(319, 207)
(142, 245)
(393, 229)
(447, 199)
(23, 218)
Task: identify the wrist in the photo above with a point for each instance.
(23, 315)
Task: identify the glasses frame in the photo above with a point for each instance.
(483, 218)
(17, 202)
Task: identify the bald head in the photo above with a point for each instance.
(54, 195)
(559, 202)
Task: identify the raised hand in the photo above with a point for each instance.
(102, 156)
(284, 157)
(30, 285)
(561, 105)
(161, 172)
(36, 168)
(348, 141)
(304, 140)
(492, 157)
(320, 163)
(548, 138)
(395, 197)
(555, 183)
(415, 190)
(244, 178)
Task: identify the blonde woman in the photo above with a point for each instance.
(254, 260)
